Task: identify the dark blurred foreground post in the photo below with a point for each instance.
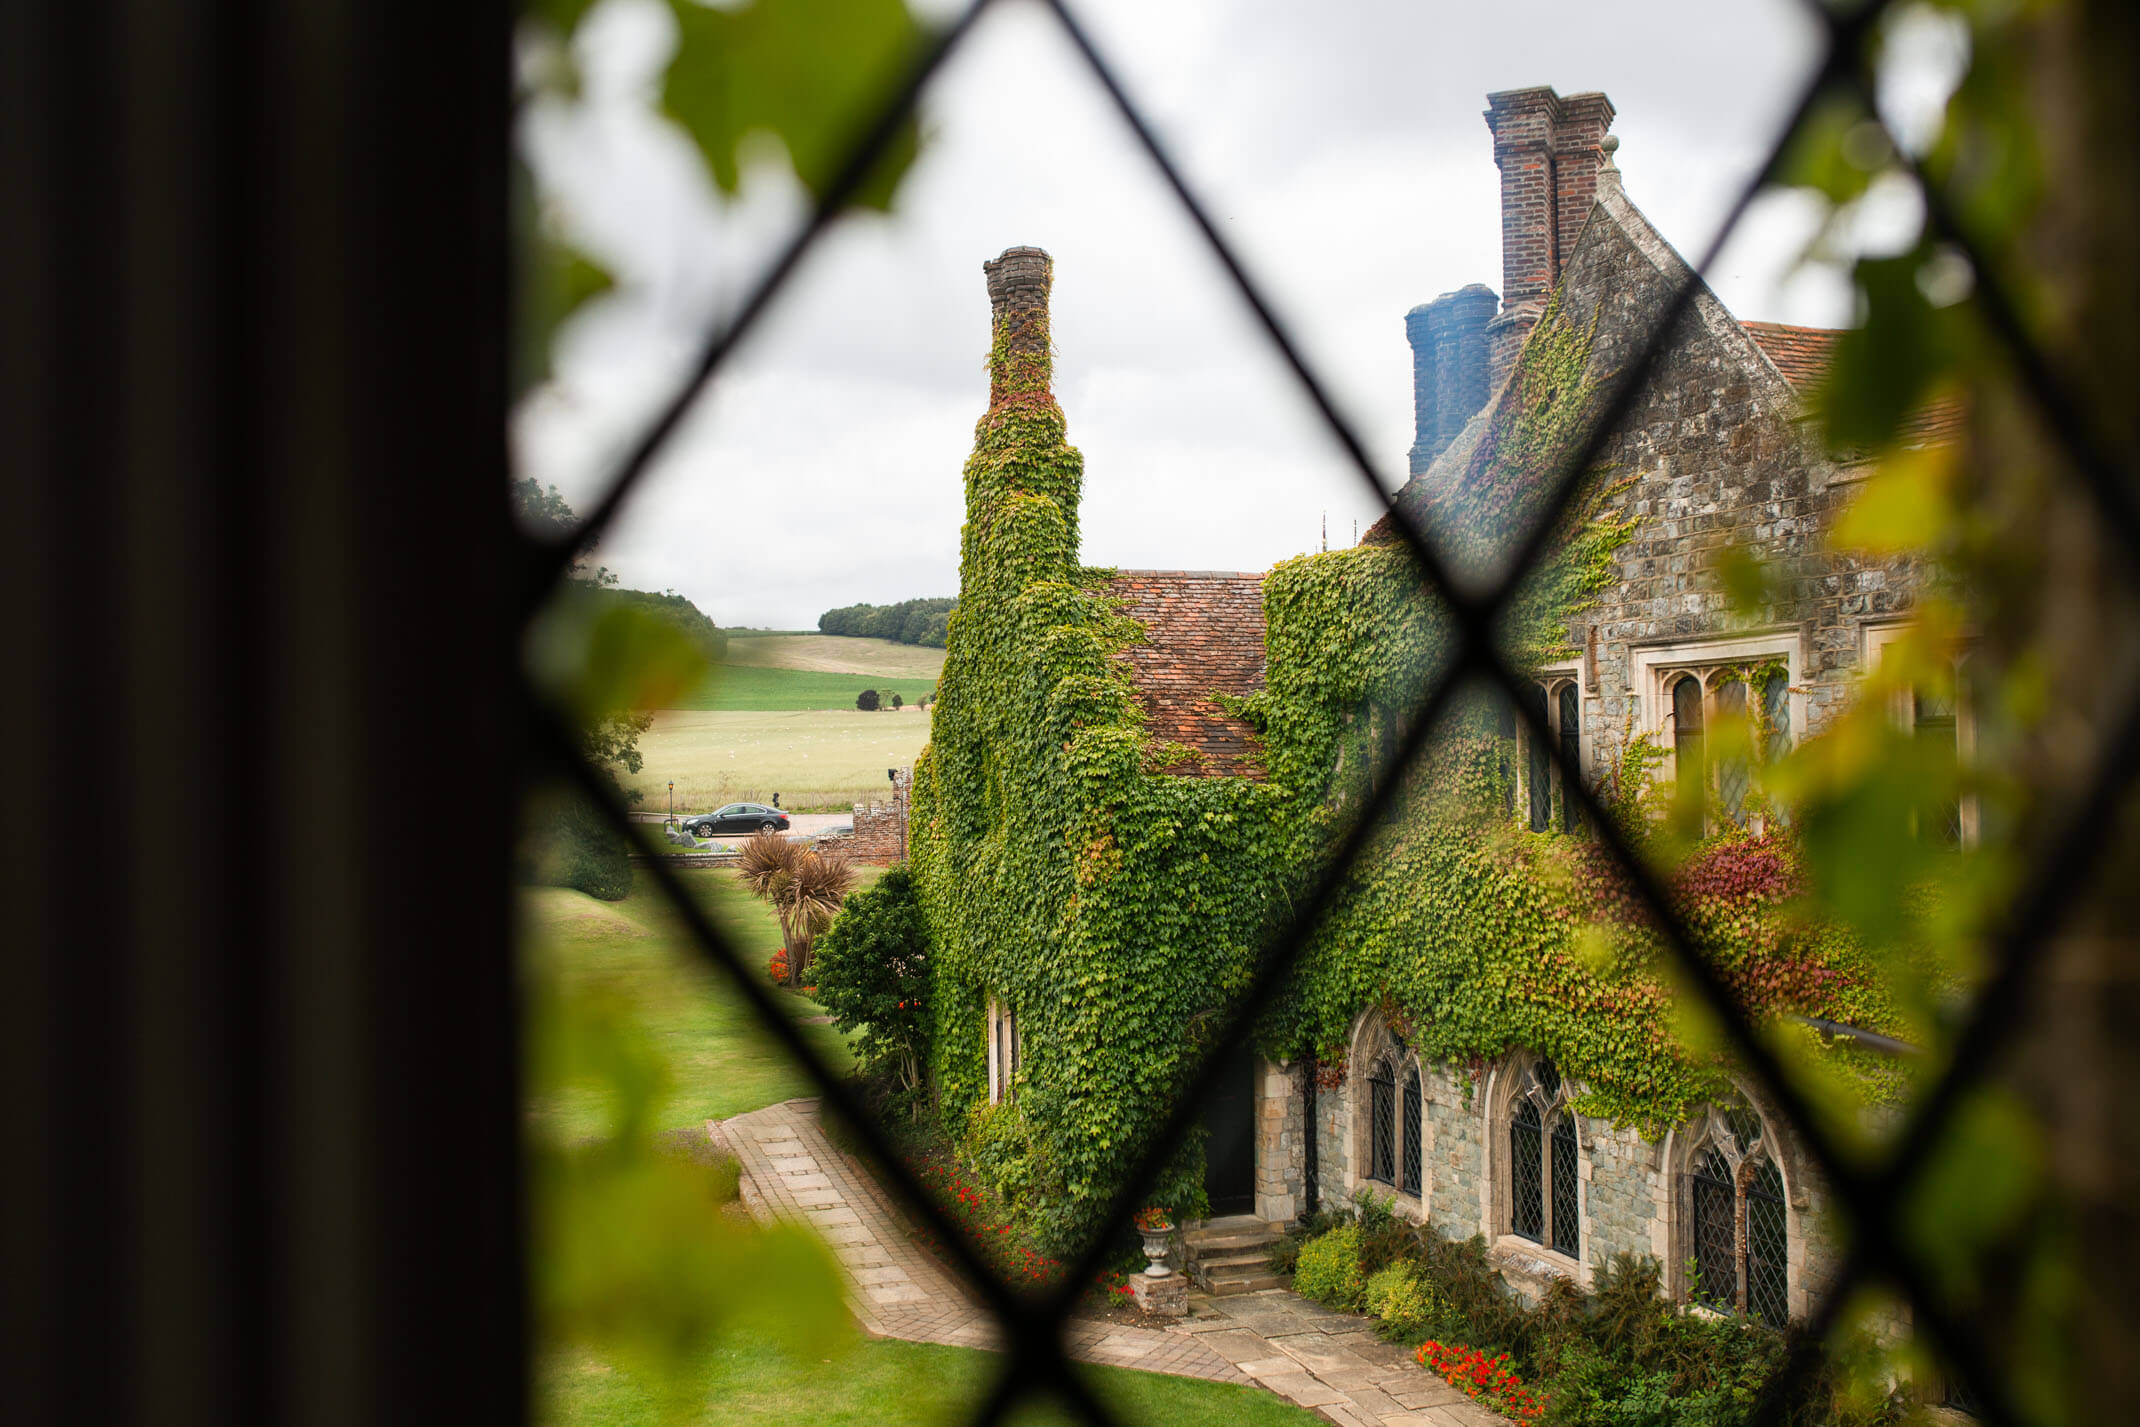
(257, 1044)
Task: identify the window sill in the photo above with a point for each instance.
(1532, 1262)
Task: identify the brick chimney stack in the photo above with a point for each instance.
(1020, 357)
(1548, 151)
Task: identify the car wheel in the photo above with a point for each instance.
(769, 827)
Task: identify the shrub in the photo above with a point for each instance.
(897, 702)
(1329, 1270)
(1404, 1300)
(868, 701)
(570, 844)
(872, 972)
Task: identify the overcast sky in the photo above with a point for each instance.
(1339, 145)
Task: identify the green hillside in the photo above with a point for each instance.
(746, 688)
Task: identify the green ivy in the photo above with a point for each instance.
(1117, 908)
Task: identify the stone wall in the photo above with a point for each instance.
(1631, 1191)
(1281, 1117)
(1715, 456)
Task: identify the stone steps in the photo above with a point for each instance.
(1230, 1255)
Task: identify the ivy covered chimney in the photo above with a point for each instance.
(1019, 357)
(1548, 151)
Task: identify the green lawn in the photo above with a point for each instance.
(720, 1062)
(885, 1383)
(748, 687)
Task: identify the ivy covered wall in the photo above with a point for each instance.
(1116, 908)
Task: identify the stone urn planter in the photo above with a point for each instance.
(1157, 1231)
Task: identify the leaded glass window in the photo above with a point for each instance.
(1527, 1204)
(1767, 1245)
(1714, 1205)
(1539, 768)
(1732, 774)
(1687, 739)
(1382, 1125)
(1776, 715)
(1567, 1216)
(1505, 754)
(1571, 752)
(1933, 725)
(1414, 1104)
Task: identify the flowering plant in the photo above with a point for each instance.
(1154, 1219)
(977, 1210)
(777, 968)
(1484, 1379)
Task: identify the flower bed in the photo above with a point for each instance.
(990, 1227)
(1487, 1380)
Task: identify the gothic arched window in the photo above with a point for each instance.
(1527, 1180)
(1544, 1178)
(1687, 764)
(1738, 1222)
(1414, 1103)
(1382, 1125)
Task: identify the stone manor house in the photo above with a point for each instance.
(1715, 452)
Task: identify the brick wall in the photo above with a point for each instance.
(1547, 148)
(880, 834)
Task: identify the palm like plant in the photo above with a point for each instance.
(804, 886)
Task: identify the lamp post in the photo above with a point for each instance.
(672, 802)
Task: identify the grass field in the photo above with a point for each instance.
(886, 1383)
(720, 1065)
(833, 654)
(824, 759)
(758, 688)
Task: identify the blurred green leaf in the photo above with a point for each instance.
(811, 73)
(1977, 1182)
(1905, 507)
(1821, 152)
(1748, 582)
(1884, 368)
(556, 281)
(601, 656)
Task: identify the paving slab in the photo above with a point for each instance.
(1324, 1360)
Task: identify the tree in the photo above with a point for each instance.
(897, 702)
(873, 975)
(867, 701)
(804, 886)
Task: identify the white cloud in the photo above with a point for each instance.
(1340, 149)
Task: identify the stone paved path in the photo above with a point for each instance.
(1331, 1362)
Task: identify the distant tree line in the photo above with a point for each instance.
(676, 609)
(920, 622)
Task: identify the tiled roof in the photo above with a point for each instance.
(1203, 632)
(1802, 355)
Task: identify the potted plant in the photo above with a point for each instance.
(1155, 1224)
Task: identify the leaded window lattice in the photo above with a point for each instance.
(1767, 1247)
(1538, 773)
(1714, 1206)
(1527, 1201)
(1776, 716)
(1414, 1105)
(1567, 1215)
(1872, 1203)
(1734, 775)
(1382, 1125)
(1571, 755)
